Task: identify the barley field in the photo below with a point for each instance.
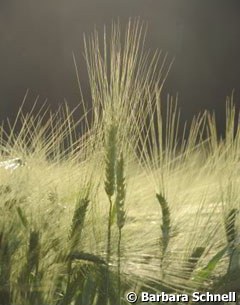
(121, 199)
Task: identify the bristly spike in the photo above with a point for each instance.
(166, 222)
(110, 160)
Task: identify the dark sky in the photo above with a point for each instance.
(37, 39)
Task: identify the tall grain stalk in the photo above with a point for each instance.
(110, 184)
(119, 203)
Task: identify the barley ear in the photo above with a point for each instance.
(193, 260)
(230, 228)
(110, 181)
(29, 279)
(78, 221)
(110, 177)
(110, 160)
(166, 223)
(33, 251)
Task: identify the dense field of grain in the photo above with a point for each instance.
(127, 204)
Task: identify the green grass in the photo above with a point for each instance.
(131, 204)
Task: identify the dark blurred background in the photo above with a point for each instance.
(37, 39)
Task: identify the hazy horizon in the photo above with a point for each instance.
(38, 38)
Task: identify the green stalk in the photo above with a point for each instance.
(119, 203)
(109, 233)
(119, 265)
(110, 161)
